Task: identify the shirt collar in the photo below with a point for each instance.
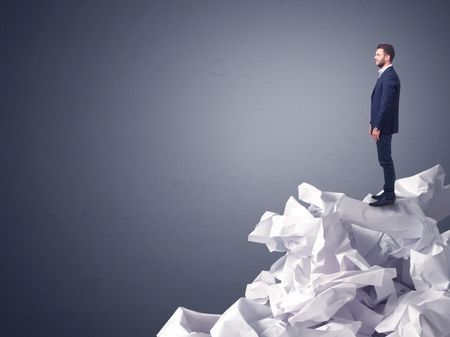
(380, 71)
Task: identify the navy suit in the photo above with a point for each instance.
(384, 116)
(384, 102)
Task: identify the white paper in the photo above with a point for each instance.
(349, 269)
(185, 322)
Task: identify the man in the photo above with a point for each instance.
(384, 119)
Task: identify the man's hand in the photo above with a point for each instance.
(376, 134)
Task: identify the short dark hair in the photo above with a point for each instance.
(388, 49)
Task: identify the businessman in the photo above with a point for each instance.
(384, 119)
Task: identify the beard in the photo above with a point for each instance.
(381, 64)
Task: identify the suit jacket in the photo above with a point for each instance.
(384, 102)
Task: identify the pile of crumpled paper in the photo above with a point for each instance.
(349, 269)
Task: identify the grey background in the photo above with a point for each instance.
(143, 140)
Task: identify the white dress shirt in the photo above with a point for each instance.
(380, 71)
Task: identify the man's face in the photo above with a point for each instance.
(380, 58)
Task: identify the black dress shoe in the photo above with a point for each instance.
(382, 202)
(377, 197)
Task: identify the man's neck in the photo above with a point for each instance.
(386, 65)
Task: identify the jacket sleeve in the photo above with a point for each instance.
(387, 100)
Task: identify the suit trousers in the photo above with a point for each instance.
(386, 162)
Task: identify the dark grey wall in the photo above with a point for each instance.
(142, 141)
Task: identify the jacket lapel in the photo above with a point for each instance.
(388, 69)
(379, 78)
(376, 84)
